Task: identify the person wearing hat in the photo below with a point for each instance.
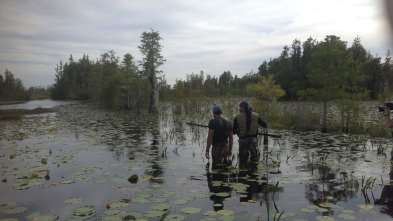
(220, 136)
(245, 125)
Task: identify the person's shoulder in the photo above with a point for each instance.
(212, 122)
(226, 120)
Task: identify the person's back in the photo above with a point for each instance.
(220, 136)
(242, 124)
(221, 127)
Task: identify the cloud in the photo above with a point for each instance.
(213, 36)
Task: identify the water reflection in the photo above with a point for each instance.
(386, 199)
(218, 182)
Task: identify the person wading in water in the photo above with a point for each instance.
(245, 125)
(220, 136)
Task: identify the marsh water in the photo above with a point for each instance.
(33, 104)
(74, 165)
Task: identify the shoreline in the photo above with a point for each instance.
(13, 102)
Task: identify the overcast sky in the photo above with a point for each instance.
(209, 35)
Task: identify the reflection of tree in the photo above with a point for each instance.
(329, 185)
(156, 170)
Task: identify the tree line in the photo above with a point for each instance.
(313, 70)
(11, 88)
(112, 82)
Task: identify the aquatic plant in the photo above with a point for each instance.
(133, 178)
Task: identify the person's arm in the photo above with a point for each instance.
(262, 123)
(230, 142)
(234, 126)
(209, 143)
(386, 115)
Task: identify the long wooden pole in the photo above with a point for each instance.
(265, 134)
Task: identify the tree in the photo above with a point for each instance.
(128, 77)
(267, 91)
(111, 79)
(152, 59)
(327, 64)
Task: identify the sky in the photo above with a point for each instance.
(212, 36)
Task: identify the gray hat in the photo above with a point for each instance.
(217, 109)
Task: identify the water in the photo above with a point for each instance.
(31, 105)
(91, 153)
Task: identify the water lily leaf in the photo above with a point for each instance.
(210, 213)
(175, 217)
(161, 207)
(226, 218)
(16, 210)
(348, 211)
(160, 200)
(191, 210)
(225, 212)
(46, 218)
(180, 201)
(347, 216)
(33, 215)
(111, 218)
(74, 200)
(134, 214)
(140, 200)
(325, 204)
(118, 204)
(322, 210)
(209, 219)
(324, 218)
(153, 213)
(308, 210)
(365, 206)
(114, 212)
(201, 195)
(84, 212)
(222, 194)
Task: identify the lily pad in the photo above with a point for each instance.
(222, 194)
(225, 212)
(84, 212)
(160, 200)
(175, 217)
(15, 210)
(73, 200)
(114, 212)
(180, 201)
(191, 210)
(119, 204)
(160, 207)
(347, 216)
(140, 200)
(209, 219)
(226, 218)
(134, 214)
(324, 218)
(210, 213)
(153, 213)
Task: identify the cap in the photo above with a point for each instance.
(217, 109)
